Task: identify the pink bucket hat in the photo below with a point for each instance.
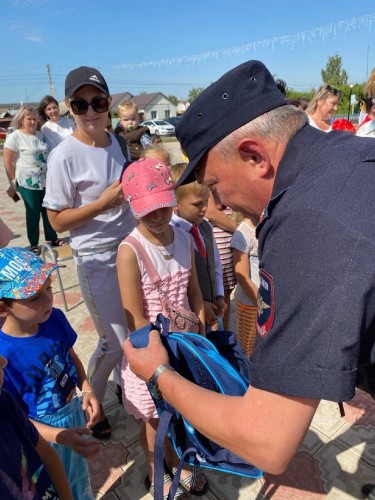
(147, 186)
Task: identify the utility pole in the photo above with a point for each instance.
(50, 81)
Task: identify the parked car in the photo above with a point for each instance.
(3, 133)
(160, 127)
(173, 120)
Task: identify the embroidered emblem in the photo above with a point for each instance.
(129, 177)
(266, 304)
(151, 186)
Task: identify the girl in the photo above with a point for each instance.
(246, 265)
(149, 189)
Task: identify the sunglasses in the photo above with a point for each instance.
(98, 104)
(331, 90)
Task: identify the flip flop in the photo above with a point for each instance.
(59, 243)
(102, 430)
(189, 482)
(35, 250)
(167, 479)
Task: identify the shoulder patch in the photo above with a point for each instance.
(266, 304)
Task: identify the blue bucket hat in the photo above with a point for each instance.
(241, 95)
(22, 273)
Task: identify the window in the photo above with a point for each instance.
(167, 113)
(154, 115)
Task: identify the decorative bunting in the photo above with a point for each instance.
(332, 29)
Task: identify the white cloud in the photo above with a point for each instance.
(34, 38)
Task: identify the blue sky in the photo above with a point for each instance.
(171, 46)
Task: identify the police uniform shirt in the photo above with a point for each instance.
(316, 303)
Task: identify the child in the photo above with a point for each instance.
(246, 264)
(29, 467)
(192, 202)
(223, 227)
(136, 137)
(149, 189)
(157, 152)
(43, 370)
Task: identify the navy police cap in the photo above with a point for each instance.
(239, 96)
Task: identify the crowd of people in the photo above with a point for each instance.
(254, 199)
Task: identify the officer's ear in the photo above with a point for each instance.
(255, 153)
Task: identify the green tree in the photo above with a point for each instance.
(334, 74)
(194, 92)
(173, 99)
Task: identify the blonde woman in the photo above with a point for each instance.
(25, 160)
(322, 107)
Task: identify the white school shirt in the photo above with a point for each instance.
(177, 221)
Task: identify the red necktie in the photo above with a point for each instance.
(198, 242)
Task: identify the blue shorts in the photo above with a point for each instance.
(75, 465)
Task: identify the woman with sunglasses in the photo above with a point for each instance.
(322, 107)
(84, 196)
(53, 126)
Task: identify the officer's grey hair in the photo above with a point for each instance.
(278, 125)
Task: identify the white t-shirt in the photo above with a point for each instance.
(55, 132)
(31, 159)
(245, 241)
(313, 124)
(77, 175)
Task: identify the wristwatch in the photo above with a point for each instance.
(153, 381)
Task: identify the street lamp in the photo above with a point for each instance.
(368, 48)
(350, 98)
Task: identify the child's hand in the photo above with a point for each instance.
(92, 408)
(221, 306)
(79, 439)
(112, 196)
(210, 313)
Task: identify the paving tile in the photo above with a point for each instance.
(342, 472)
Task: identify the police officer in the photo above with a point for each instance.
(313, 195)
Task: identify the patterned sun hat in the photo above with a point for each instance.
(147, 186)
(22, 273)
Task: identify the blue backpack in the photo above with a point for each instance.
(218, 364)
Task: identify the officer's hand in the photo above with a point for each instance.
(143, 362)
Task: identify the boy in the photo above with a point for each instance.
(29, 467)
(192, 201)
(43, 370)
(137, 138)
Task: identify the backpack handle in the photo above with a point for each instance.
(139, 338)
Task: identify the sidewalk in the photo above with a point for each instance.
(335, 460)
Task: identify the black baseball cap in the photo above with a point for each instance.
(239, 96)
(84, 75)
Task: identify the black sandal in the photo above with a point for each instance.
(59, 243)
(36, 250)
(102, 430)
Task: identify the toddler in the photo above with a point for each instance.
(136, 137)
